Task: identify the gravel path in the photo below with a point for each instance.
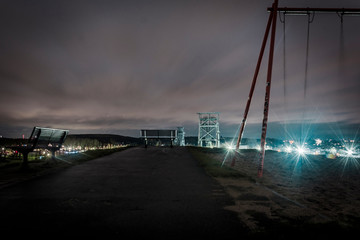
(154, 192)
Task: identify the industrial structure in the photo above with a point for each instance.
(180, 138)
(209, 133)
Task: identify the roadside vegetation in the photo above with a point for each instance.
(265, 212)
(212, 166)
(11, 171)
(88, 155)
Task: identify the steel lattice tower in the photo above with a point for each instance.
(180, 138)
(209, 133)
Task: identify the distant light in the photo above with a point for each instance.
(229, 146)
(288, 149)
(318, 141)
(300, 150)
(333, 150)
(349, 152)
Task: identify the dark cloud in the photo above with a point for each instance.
(111, 65)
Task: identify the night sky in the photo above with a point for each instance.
(120, 66)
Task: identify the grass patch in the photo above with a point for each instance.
(12, 172)
(300, 230)
(211, 165)
(88, 155)
(66, 158)
(252, 201)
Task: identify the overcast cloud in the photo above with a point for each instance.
(120, 66)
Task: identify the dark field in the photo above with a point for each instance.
(295, 193)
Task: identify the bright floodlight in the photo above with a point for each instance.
(229, 146)
(300, 150)
(349, 152)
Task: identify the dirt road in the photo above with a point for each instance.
(154, 192)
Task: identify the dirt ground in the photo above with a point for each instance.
(293, 190)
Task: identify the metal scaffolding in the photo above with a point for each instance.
(180, 139)
(209, 133)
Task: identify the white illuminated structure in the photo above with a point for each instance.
(209, 133)
(180, 138)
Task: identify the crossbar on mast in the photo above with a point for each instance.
(344, 11)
